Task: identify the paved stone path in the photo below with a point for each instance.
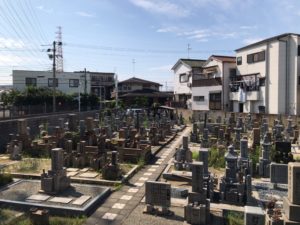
(120, 204)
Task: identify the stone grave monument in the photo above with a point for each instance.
(56, 179)
(157, 194)
(197, 212)
(291, 203)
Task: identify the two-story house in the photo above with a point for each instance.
(267, 78)
(183, 70)
(210, 86)
(133, 88)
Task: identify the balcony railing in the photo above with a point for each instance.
(234, 86)
(207, 82)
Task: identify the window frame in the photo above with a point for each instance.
(239, 60)
(201, 98)
(183, 75)
(27, 83)
(71, 85)
(256, 57)
(51, 85)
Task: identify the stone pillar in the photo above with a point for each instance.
(114, 158)
(81, 128)
(197, 177)
(72, 124)
(22, 126)
(291, 203)
(249, 187)
(244, 148)
(69, 146)
(185, 142)
(57, 159)
(89, 123)
(203, 157)
(256, 137)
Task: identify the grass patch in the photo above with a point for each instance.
(118, 187)
(216, 158)
(24, 220)
(29, 165)
(254, 156)
(234, 218)
(125, 168)
(5, 179)
(195, 155)
(141, 163)
(6, 214)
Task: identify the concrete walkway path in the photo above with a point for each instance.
(119, 205)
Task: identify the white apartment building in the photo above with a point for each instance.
(66, 82)
(183, 70)
(267, 78)
(210, 87)
(97, 83)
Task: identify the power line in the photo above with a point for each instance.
(144, 51)
(20, 23)
(35, 28)
(36, 19)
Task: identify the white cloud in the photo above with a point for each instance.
(252, 40)
(85, 14)
(162, 68)
(247, 27)
(164, 7)
(167, 29)
(11, 43)
(42, 8)
(201, 35)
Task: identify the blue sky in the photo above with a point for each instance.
(106, 35)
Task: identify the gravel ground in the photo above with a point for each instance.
(137, 217)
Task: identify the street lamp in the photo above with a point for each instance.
(79, 102)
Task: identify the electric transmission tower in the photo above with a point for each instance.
(60, 58)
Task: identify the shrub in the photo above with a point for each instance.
(216, 158)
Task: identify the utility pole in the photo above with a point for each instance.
(52, 56)
(54, 77)
(116, 89)
(79, 102)
(85, 82)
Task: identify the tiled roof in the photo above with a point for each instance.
(190, 62)
(138, 80)
(224, 58)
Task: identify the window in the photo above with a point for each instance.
(262, 81)
(215, 101)
(198, 98)
(183, 78)
(256, 57)
(73, 82)
(30, 81)
(50, 82)
(232, 73)
(239, 60)
(298, 50)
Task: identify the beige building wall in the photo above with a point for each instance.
(182, 88)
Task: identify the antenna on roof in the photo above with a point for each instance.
(188, 50)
